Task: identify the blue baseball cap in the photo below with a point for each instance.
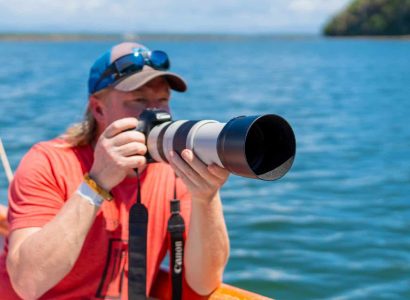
(101, 77)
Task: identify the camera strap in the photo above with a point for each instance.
(176, 230)
(137, 248)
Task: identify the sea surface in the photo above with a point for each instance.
(337, 226)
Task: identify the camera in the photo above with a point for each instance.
(261, 147)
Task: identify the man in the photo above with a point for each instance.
(67, 240)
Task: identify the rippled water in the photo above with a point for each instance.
(335, 227)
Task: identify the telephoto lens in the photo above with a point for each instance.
(261, 147)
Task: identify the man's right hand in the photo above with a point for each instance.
(119, 150)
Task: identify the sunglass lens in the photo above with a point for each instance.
(129, 64)
(159, 60)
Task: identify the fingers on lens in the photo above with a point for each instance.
(119, 126)
(218, 171)
(187, 168)
(131, 162)
(136, 161)
(133, 148)
(129, 136)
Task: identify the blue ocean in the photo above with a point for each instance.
(337, 226)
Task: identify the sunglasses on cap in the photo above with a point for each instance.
(130, 64)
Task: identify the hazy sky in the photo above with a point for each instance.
(136, 16)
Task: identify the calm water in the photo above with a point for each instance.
(338, 225)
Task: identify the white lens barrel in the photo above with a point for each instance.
(154, 138)
(202, 140)
(168, 141)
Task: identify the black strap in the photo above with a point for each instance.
(176, 228)
(137, 249)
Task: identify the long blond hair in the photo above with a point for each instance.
(84, 132)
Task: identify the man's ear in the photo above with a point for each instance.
(97, 108)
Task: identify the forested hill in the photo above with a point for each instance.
(371, 17)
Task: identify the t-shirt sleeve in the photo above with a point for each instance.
(34, 195)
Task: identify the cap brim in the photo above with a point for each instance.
(137, 80)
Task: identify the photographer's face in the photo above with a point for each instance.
(118, 105)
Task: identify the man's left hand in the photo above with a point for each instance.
(202, 181)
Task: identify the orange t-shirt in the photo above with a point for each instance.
(48, 175)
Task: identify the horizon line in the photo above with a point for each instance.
(73, 36)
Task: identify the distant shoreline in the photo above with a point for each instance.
(369, 37)
(145, 36)
(69, 37)
(56, 37)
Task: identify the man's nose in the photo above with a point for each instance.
(154, 104)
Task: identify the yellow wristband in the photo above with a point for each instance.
(96, 188)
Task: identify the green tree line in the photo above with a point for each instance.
(371, 17)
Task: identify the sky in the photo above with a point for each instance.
(163, 16)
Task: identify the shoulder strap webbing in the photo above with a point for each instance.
(176, 229)
(137, 249)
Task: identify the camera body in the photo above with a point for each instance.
(151, 117)
(148, 119)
